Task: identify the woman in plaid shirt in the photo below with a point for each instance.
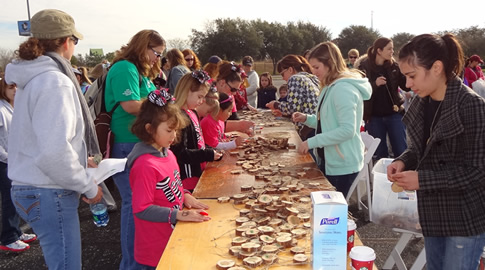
(445, 159)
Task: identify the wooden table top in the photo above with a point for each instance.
(217, 180)
(201, 245)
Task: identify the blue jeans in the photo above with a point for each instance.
(10, 219)
(392, 125)
(342, 182)
(127, 234)
(53, 215)
(454, 253)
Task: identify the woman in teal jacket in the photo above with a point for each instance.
(338, 144)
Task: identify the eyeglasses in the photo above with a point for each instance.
(157, 54)
(352, 57)
(283, 71)
(74, 39)
(189, 59)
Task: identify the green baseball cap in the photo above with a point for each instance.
(52, 24)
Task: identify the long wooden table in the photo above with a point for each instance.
(198, 246)
(201, 245)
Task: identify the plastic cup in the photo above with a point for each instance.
(351, 226)
(362, 258)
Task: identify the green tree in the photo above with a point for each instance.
(400, 39)
(178, 43)
(274, 40)
(6, 56)
(472, 40)
(228, 38)
(110, 56)
(356, 36)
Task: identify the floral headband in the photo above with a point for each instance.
(160, 97)
(212, 87)
(201, 76)
(235, 67)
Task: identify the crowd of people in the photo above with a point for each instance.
(171, 115)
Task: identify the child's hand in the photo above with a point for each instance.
(217, 155)
(191, 202)
(192, 215)
(240, 141)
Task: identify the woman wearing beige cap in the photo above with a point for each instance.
(51, 137)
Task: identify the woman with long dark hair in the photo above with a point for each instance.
(383, 112)
(445, 160)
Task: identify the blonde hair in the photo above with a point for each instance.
(185, 85)
(212, 100)
(84, 75)
(135, 52)
(353, 52)
(329, 55)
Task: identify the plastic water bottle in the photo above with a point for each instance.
(100, 214)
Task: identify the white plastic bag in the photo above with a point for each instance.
(395, 210)
(479, 87)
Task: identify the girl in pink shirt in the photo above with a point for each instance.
(158, 194)
(213, 126)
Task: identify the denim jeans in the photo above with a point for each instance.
(381, 127)
(342, 182)
(10, 219)
(127, 233)
(454, 253)
(53, 215)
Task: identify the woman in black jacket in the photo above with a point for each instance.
(383, 112)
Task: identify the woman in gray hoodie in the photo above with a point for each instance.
(50, 138)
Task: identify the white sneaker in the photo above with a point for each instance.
(16, 246)
(28, 237)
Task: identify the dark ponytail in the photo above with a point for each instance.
(379, 43)
(424, 50)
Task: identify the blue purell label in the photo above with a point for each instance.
(326, 196)
(329, 221)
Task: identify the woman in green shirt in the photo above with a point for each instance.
(128, 82)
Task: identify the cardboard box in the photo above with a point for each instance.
(329, 228)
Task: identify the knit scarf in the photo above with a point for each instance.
(90, 137)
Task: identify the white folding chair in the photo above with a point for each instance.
(395, 256)
(363, 178)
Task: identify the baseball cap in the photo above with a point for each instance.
(477, 58)
(247, 61)
(214, 59)
(52, 24)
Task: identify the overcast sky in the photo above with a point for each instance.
(108, 24)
